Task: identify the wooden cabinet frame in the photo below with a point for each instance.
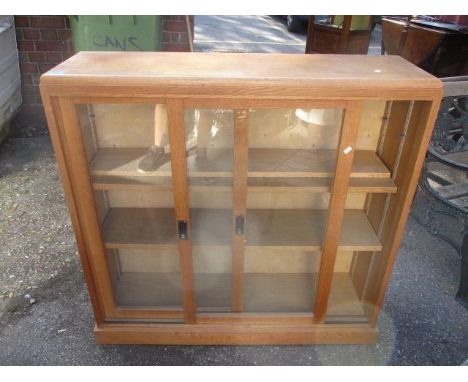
(412, 100)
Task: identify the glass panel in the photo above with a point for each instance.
(129, 160)
(348, 285)
(209, 145)
(292, 155)
(366, 204)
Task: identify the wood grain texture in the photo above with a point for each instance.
(262, 163)
(257, 184)
(227, 334)
(153, 229)
(239, 205)
(253, 75)
(175, 118)
(264, 293)
(337, 207)
(85, 201)
(266, 310)
(217, 259)
(55, 124)
(412, 155)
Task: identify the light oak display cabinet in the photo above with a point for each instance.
(238, 198)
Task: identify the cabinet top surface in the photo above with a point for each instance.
(303, 73)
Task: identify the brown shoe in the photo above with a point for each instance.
(153, 159)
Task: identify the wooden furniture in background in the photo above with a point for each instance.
(344, 35)
(281, 226)
(440, 48)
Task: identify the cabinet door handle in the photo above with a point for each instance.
(182, 228)
(240, 220)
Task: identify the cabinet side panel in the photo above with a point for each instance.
(400, 111)
(359, 273)
(85, 198)
(54, 119)
(412, 154)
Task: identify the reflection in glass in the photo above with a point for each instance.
(292, 155)
(129, 161)
(209, 146)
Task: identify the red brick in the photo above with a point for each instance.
(30, 34)
(36, 57)
(19, 34)
(29, 89)
(21, 21)
(64, 34)
(174, 47)
(183, 37)
(46, 67)
(69, 46)
(26, 79)
(27, 67)
(175, 26)
(166, 36)
(53, 57)
(48, 21)
(26, 46)
(36, 77)
(177, 36)
(49, 34)
(51, 46)
(67, 55)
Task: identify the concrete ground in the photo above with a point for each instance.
(259, 34)
(46, 317)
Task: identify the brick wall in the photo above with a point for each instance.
(175, 36)
(45, 41)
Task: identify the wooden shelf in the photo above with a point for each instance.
(151, 228)
(123, 162)
(270, 170)
(264, 292)
(372, 185)
(142, 183)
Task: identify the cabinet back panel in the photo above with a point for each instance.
(223, 199)
(218, 260)
(121, 125)
(132, 125)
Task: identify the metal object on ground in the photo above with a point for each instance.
(10, 83)
(444, 180)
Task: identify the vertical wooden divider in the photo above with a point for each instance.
(176, 130)
(339, 191)
(241, 149)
